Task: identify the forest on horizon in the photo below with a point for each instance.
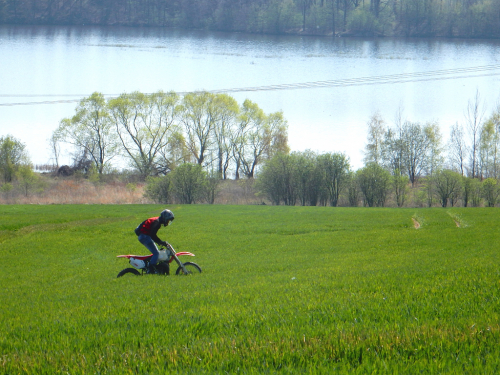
(408, 18)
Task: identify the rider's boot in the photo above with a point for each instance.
(151, 269)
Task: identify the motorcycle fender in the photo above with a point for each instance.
(184, 253)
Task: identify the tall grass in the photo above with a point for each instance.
(83, 191)
(78, 191)
(283, 290)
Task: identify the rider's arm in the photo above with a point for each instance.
(155, 226)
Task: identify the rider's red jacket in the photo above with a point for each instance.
(150, 227)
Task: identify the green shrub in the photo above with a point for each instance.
(158, 189)
(189, 183)
(491, 191)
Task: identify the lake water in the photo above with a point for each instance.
(40, 64)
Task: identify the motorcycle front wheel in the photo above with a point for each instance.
(133, 271)
(191, 268)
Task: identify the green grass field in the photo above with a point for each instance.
(283, 290)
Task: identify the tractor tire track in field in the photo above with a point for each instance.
(417, 221)
(459, 222)
(416, 224)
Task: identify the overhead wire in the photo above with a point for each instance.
(437, 75)
(395, 78)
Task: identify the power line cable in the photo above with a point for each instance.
(437, 75)
(395, 78)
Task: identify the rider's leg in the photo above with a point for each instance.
(151, 246)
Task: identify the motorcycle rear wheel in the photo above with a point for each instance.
(133, 271)
(191, 267)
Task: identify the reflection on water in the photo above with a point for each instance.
(50, 63)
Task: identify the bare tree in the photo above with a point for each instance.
(376, 133)
(408, 148)
(495, 119)
(392, 151)
(434, 150)
(55, 148)
(457, 149)
(473, 119)
(414, 148)
(420, 149)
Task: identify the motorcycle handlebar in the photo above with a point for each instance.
(167, 247)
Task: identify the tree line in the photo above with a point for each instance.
(400, 160)
(427, 18)
(155, 133)
(311, 179)
(184, 146)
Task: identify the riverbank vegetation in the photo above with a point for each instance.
(188, 150)
(422, 18)
(283, 290)
(405, 163)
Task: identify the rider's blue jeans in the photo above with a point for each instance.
(151, 246)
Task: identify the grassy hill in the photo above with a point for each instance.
(283, 289)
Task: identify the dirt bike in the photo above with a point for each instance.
(167, 256)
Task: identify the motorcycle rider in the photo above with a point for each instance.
(146, 232)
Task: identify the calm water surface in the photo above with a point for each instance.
(58, 63)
